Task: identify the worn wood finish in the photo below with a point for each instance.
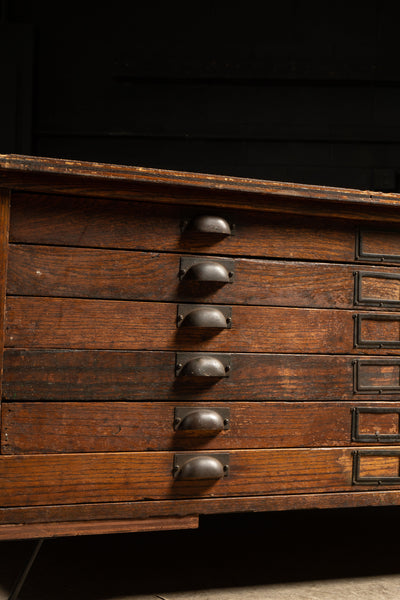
(373, 244)
(74, 478)
(205, 506)
(121, 325)
(91, 333)
(123, 427)
(102, 223)
(112, 375)
(4, 231)
(73, 528)
(92, 179)
(124, 275)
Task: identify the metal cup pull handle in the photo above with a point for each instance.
(198, 467)
(208, 271)
(209, 224)
(203, 366)
(204, 316)
(214, 270)
(201, 419)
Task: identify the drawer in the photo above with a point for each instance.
(117, 477)
(36, 428)
(123, 325)
(100, 223)
(129, 275)
(114, 375)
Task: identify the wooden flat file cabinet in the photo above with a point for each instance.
(177, 344)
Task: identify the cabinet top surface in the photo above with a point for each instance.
(49, 175)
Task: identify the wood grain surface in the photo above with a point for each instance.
(34, 428)
(114, 375)
(129, 275)
(147, 509)
(4, 231)
(102, 223)
(123, 325)
(90, 389)
(93, 179)
(22, 531)
(120, 477)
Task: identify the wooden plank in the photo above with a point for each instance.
(52, 175)
(126, 275)
(112, 375)
(123, 325)
(73, 528)
(37, 428)
(332, 202)
(4, 230)
(202, 506)
(121, 477)
(102, 223)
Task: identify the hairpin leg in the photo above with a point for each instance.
(24, 574)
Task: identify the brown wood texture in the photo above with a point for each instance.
(123, 325)
(93, 179)
(73, 528)
(112, 375)
(35, 428)
(126, 275)
(4, 231)
(148, 508)
(91, 246)
(375, 243)
(102, 223)
(120, 477)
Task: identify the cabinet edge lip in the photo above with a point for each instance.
(31, 173)
(46, 529)
(195, 508)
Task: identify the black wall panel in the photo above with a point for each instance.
(303, 91)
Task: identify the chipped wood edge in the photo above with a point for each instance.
(96, 527)
(29, 167)
(5, 196)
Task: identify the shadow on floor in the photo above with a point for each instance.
(226, 551)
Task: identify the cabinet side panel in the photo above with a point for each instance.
(4, 229)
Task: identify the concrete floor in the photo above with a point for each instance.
(312, 555)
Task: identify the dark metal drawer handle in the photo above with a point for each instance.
(201, 419)
(209, 270)
(209, 224)
(203, 366)
(197, 467)
(205, 316)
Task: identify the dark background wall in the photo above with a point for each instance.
(299, 90)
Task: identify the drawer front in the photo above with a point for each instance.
(99, 223)
(121, 325)
(118, 477)
(127, 275)
(112, 375)
(35, 428)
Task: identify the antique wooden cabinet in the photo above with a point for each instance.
(178, 344)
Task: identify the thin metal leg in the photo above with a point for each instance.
(24, 574)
